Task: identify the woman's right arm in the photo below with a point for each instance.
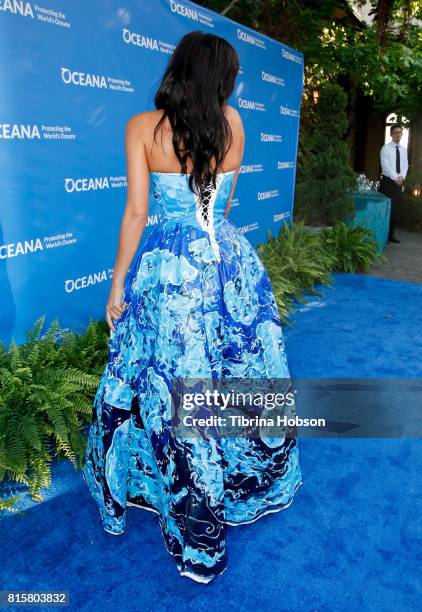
(135, 216)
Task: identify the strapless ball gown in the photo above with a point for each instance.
(200, 304)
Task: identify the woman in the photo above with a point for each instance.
(196, 302)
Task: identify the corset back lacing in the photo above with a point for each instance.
(205, 212)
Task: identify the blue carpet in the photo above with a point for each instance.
(351, 540)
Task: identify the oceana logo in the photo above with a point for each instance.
(185, 11)
(25, 247)
(280, 216)
(14, 249)
(271, 78)
(86, 184)
(72, 77)
(271, 137)
(288, 55)
(266, 195)
(282, 165)
(11, 131)
(290, 112)
(250, 104)
(249, 228)
(250, 168)
(139, 40)
(250, 38)
(75, 284)
(17, 7)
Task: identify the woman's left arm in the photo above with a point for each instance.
(135, 216)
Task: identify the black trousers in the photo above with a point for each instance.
(389, 188)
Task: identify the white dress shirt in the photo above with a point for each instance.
(388, 160)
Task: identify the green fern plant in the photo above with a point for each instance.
(296, 262)
(46, 392)
(8, 504)
(353, 248)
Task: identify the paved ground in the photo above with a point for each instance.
(404, 258)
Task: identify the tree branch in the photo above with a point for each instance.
(229, 7)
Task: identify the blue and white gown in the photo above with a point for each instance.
(200, 304)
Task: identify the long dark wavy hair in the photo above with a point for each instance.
(194, 90)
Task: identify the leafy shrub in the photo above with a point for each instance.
(325, 178)
(46, 393)
(296, 261)
(353, 248)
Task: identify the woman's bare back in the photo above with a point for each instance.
(160, 153)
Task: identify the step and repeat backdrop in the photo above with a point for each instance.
(71, 74)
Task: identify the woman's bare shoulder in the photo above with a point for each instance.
(234, 118)
(232, 113)
(142, 124)
(143, 118)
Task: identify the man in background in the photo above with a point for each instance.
(394, 166)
